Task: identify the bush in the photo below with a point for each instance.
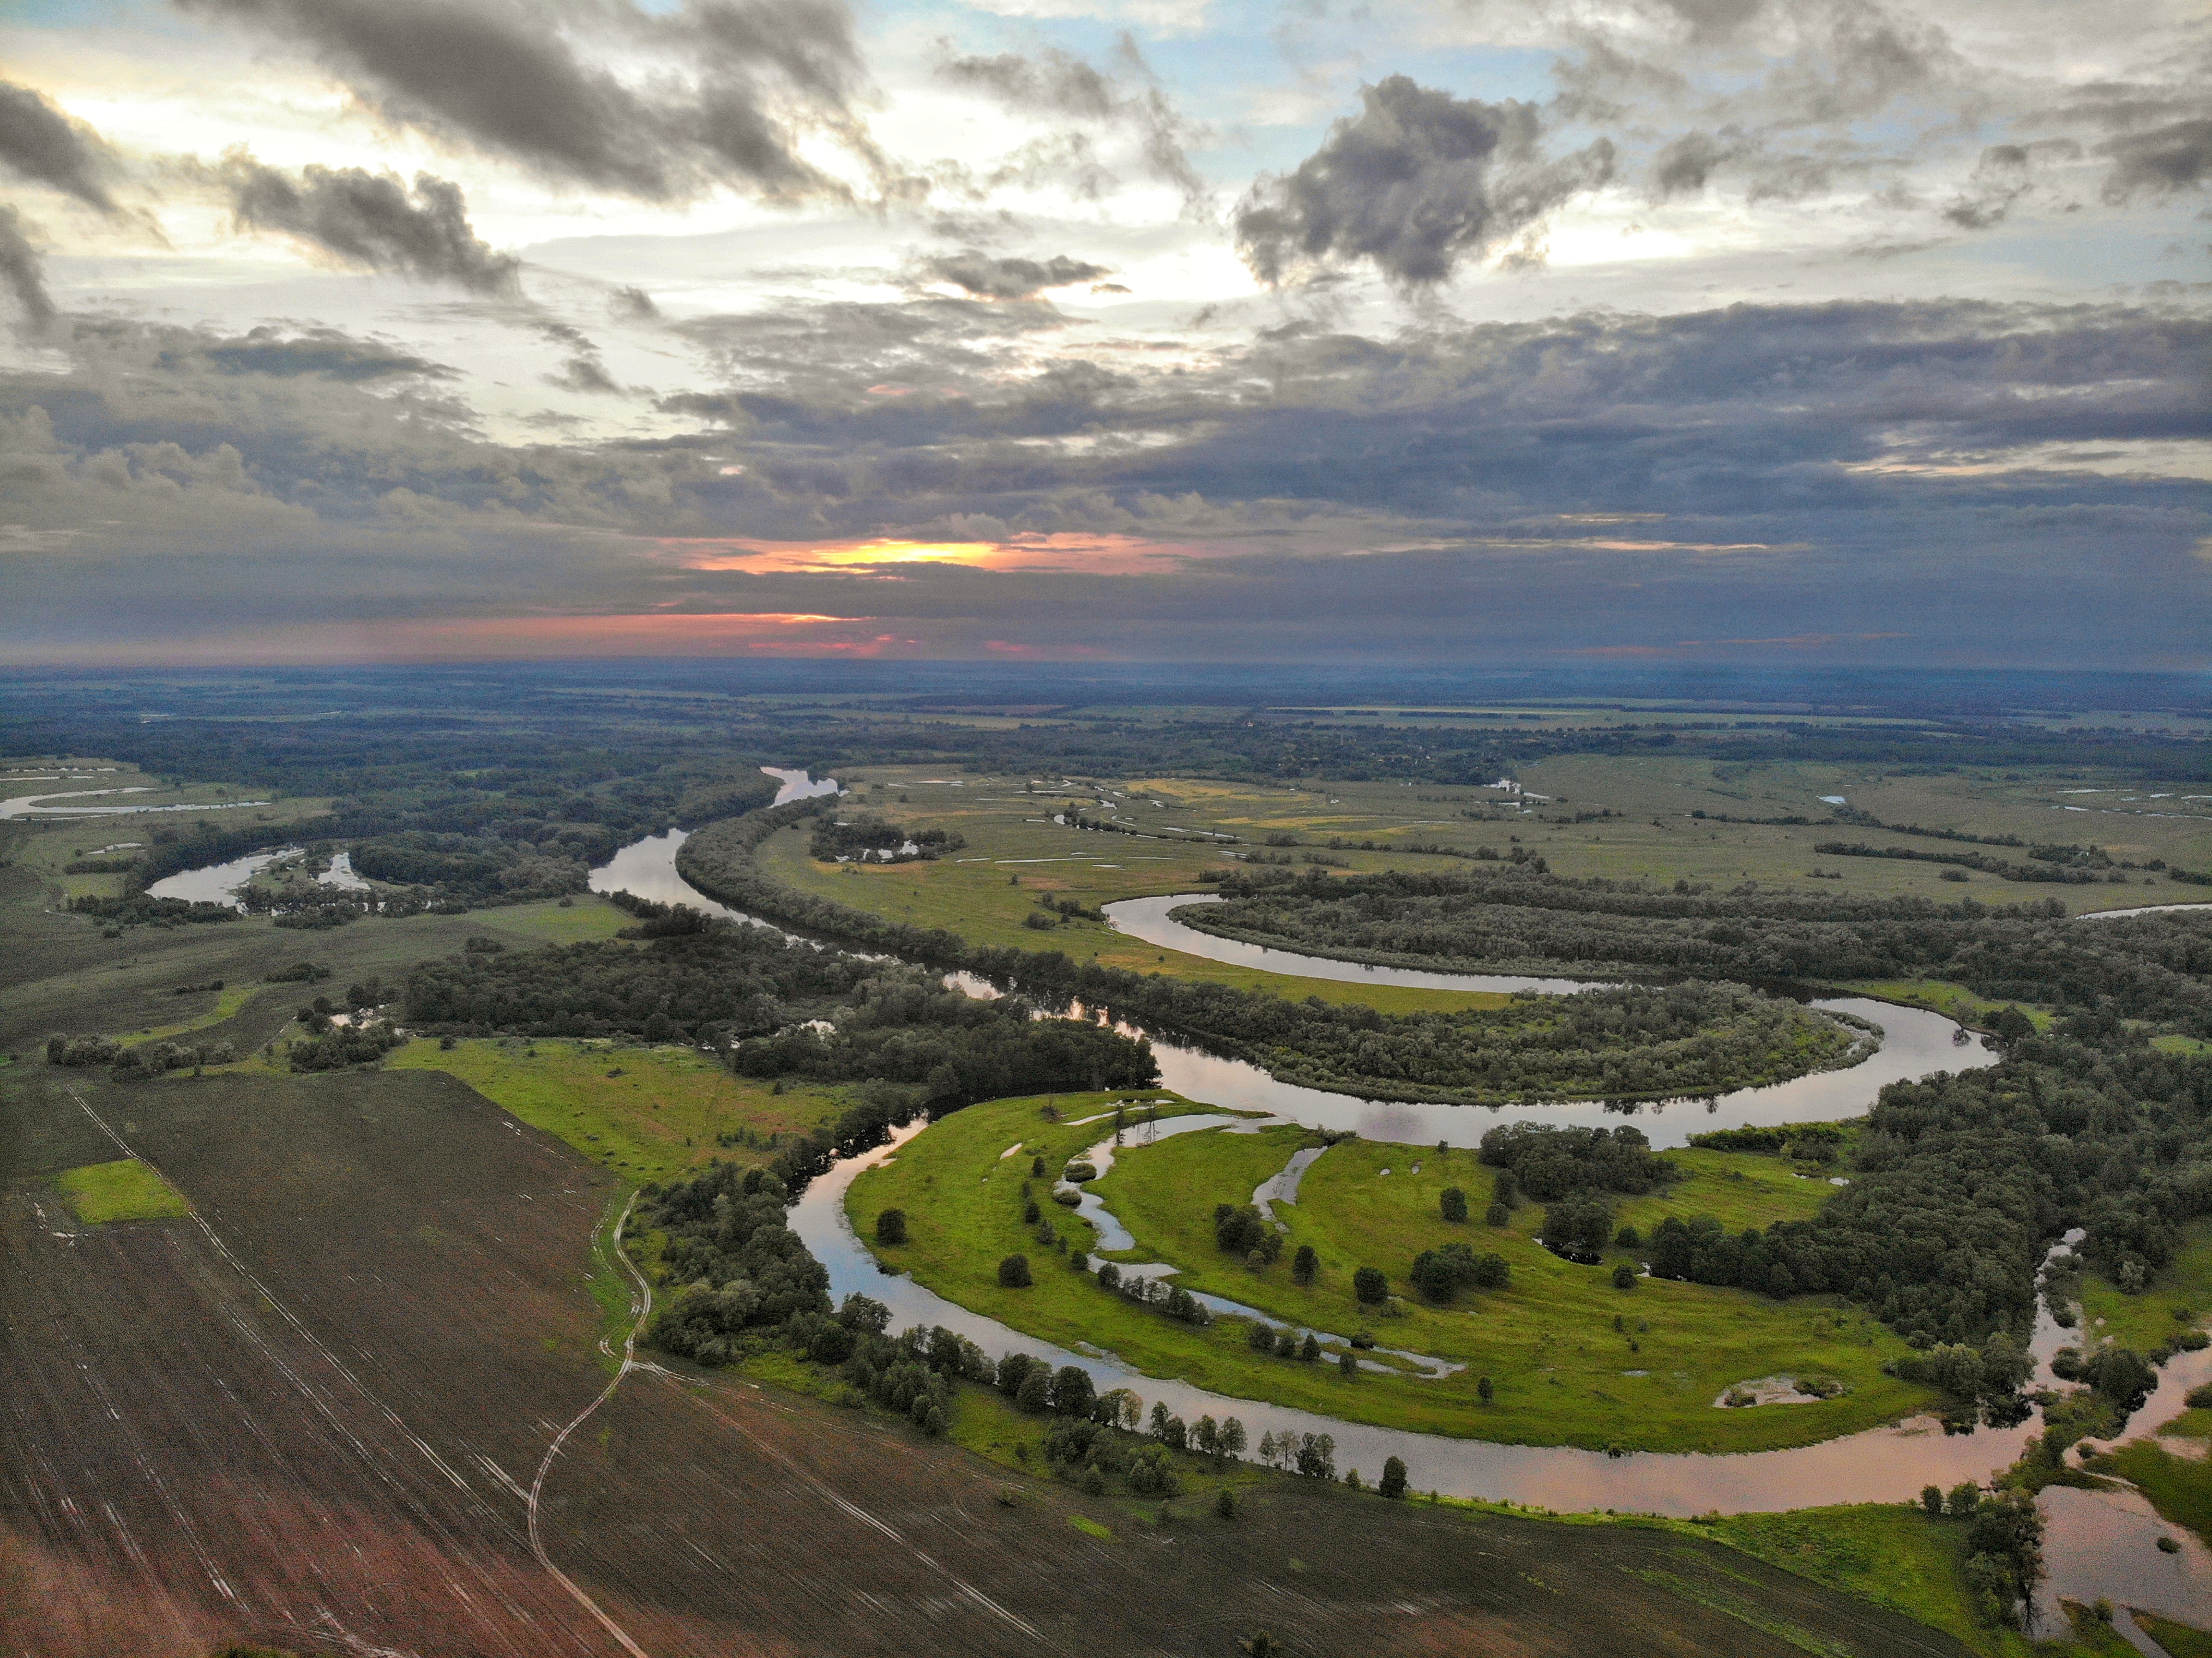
(890, 1228)
(1305, 1266)
(1623, 1277)
(1497, 1215)
(1014, 1272)
(1454, 1204)
(1372, 1288)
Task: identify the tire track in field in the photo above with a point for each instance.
(642, 1303)
(368, 1457)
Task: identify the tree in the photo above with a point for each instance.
(1965, 1500)
(1232, 1438)
(1348, 1361)
(1014, 1272)
(1372, 1288)
(1496, 1215)
(1037, 1165)
(1072, 1391)
(890, 1228)
(1393, 1483)
(1623, 1277)
(1931, 1498)
(1310, 1350)
(1035, 1394)
(863, 1314)
(1484, 1390)
(1206, 1437)
(1454, 1204)
(1225, 1503)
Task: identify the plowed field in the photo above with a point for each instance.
(307, 1415)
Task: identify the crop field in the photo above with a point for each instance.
(1572, 1359)
(313, 1421)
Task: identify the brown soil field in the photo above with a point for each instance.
(305, 1416)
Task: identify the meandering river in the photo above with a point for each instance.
(1885, 1464)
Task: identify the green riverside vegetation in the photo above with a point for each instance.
(1558, 1344)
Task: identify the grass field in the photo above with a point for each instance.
(981, 902)
(2179, 1297)
(647, 1113)
(1893, 1554)
(1560, 1365)
(126, 1189)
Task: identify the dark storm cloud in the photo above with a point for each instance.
(368, 220)
(1416, 182)
(38, 141)
(991, 279)
(526, 80)
(326, 351)
(2161, 162)
(22, 270)
(1759, 471)
(633, 304)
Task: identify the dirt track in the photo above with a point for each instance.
(322, 1436)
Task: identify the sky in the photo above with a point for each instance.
(1474, 332)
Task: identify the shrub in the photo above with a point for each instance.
(1623, 1277)
(1224, 1504)
(1496, 1215)
(1454, 1204)
(1370, 1286)
(1014, 1272)
(1393, 1483)
(1349, 1364)
(1260, 1339)
(1305, 1266)
(890, 1228)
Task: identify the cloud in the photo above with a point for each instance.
(584, 372)
(367, 220)
(2160, 163)
(1685, 165)
(1053, 84)
(23, 270)
(991, 279)
(38, 141)
(325, 351)
(726, 89)
(633, 304)
(1416, 182)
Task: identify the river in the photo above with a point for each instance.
(1888, 1464)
